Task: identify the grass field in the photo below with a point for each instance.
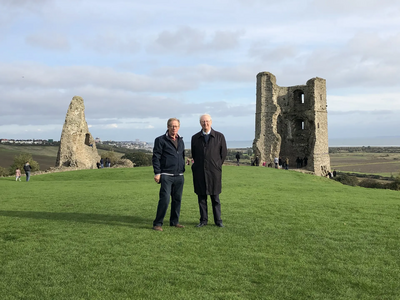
(87, 235)
(384, 164)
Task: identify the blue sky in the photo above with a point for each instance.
(138, 63)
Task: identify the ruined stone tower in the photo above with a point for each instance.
(292, 122)
(77, 146)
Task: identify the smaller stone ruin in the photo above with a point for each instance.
(77, 146)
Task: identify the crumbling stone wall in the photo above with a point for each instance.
(77, 146)
(292, 122)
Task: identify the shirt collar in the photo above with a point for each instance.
(168, 136)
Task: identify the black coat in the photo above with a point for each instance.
(208, 159)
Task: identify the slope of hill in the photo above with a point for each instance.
(46, 156)
(87, 235)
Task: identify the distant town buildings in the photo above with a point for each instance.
(28, 142)
(137, 144)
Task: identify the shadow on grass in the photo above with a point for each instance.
(115, 220)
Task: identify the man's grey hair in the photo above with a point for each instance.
(205, 115)
(170, 120)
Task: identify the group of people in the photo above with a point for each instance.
(279, 163)
(27, 169)
(100, 164)
(209, 151)
(330, 174)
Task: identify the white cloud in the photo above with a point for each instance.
(364, 102)
(189, 40)
(354, 6)
(111, 43)
(52, 41)
(138, 63)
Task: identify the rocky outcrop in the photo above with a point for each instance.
(123, 163)
(77, 146)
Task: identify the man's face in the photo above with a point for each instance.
(205, 123)
(173, 128)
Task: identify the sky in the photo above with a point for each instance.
(138, 63)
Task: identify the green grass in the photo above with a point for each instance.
(87, 235)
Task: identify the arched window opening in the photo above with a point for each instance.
(299, 96)
(301, 125)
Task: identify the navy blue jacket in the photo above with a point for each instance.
(166, 158)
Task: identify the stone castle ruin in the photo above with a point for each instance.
(291, 122)
(77, 146)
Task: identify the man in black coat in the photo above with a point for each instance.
(209, 152)
(169, 165)
(27, 169)
(237, 158)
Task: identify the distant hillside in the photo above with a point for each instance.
(45, 155)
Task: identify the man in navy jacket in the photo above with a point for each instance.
(169, 166)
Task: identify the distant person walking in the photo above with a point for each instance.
(27, 169)
(169, 166)
(276, 162)
(287, 163)
(108, 163)
(209, 152)
(237, 158)
(17, 174)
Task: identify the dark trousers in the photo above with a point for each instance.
(216, 206)
(171, 186)
(28, 175)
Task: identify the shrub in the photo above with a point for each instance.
(395, 185)
(370, 183)
(20, 160)
(139, 158)
(347, 179)
(4, 172)
(112, 156)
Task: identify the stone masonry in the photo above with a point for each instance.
(77, 146)
(291, 122)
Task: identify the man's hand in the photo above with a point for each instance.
(157, 178)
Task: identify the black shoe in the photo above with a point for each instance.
(201, 224)
(219, 225)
